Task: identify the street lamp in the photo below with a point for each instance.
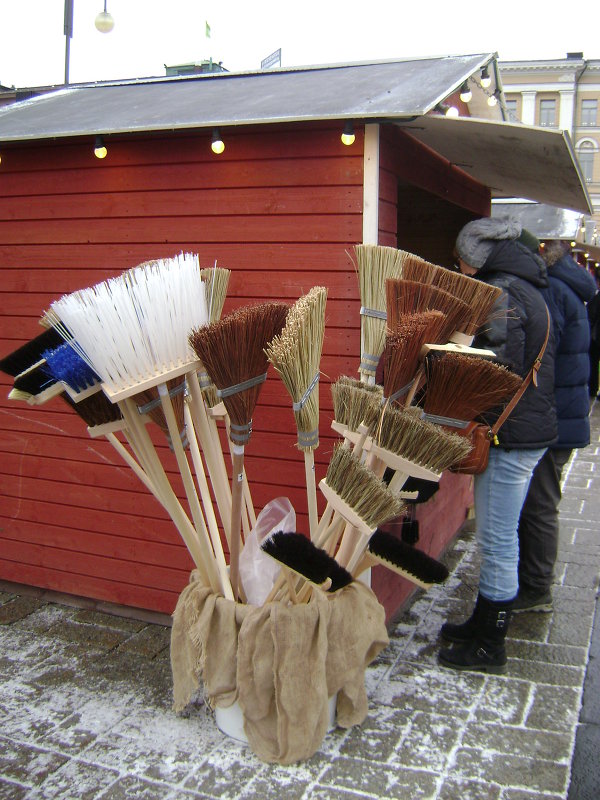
(104, 23)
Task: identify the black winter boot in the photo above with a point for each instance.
(465, 630)
(485, 652)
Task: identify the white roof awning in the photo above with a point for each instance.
(512, 160)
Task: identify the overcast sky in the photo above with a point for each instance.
(151, 33)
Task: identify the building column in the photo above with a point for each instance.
(567, 110)
(528, 108)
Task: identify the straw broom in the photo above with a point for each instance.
(360, 497)
(296, 356)
(480, 297)
(402, 352)
(374, 265)
(460, 388)
(232, 351)
(409, 297)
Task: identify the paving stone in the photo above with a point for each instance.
(90, 616)
(581, 575)
(542, 776)
(503, 701)
(571, 629)
(539, 672)
(223, 774)
(428, 743)
(148, 642)
(519, 741)
(12, 791)
(333, 793)
(547, 653)
(441, 691)
(379, 734)
(26, 764)
(16, 608)
(522, 794)
(379, 779)
(553, 708)
(87, 780)
(132, 788)
(44, 617)
(92, 637)
(468, 790)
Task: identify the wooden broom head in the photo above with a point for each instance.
(233, 353)
(404, 433)
(356, 403)
(402, 556)
(357, 485)
(296, 355)
(296, 551)
(463, 387)
(375, 264)
(402, 352)
(95, 409)
(216, 282)
(407, 297)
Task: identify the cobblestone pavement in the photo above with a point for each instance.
(85, 700)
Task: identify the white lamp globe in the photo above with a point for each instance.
(104, 22)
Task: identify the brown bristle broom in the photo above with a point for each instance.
(460, 387)
(296, 356)
(233, 353)
(374, 265)
(408, 297)
(402, 352)
(480, 297)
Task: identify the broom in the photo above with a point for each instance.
(460, 388)
(300, 556)
(360, 497)
(296, 355)
(29, 353)
(374, 265)
(480, 297)
(133, 330)
(408, 297)
(232, 351)
(403, 559)
(402, 352)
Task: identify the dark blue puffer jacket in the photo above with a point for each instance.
(515, 331)
(571, 286)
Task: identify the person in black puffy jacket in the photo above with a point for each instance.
(487, 249)
(571, 287)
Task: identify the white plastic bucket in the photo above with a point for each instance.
(230, 721)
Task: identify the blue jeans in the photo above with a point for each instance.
(499, 495)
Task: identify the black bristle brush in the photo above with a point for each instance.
(296, 552)
(30, 353)
(404, 559)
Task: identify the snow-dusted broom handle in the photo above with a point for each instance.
(237, 496)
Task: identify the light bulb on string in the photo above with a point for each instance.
(217, 144)
(465, 92)
(486, 81)
(100, 150)
(104, 22)
(348, 136)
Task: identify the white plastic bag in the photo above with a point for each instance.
(259, 571)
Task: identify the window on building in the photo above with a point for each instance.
(585, 154)
(548, 113)
(511, 110)
(589, 112)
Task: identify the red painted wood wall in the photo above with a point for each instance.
(281, 208)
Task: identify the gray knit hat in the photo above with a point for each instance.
(476, 240)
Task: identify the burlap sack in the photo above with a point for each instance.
(281, 663)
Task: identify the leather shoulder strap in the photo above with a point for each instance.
(531, 376)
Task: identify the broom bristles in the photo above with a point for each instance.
(404, 433)
(134, 327)
(374, 265)
(408, 297)
(216, 281)
(355, 403)
(358, 486)
(30, 353)
(296, 551)
(397, 553)
(402, 352)
(296, 355)
(463, 387)
(233, 353)
(480, 297)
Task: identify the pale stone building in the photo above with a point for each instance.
(563, 94)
